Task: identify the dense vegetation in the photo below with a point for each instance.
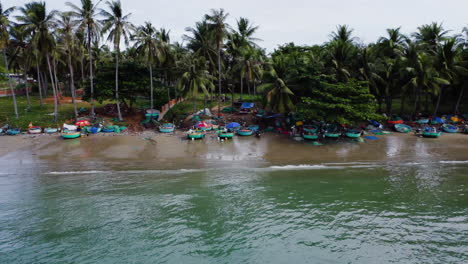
(341, 80)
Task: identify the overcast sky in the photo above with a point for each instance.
(299, 21)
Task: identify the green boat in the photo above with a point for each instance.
(50, 130)
(167, 128)
(225, 135)
(429, 134)
(353, 133)
(331, 131)
(245, 132)
(71, 135)
(402, 128)
(195, 135)
(310, 136)
(466, 130)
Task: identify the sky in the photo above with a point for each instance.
(304, 22)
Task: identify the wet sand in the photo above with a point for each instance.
(172, 151)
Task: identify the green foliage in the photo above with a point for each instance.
(133, 80)
(342, 102)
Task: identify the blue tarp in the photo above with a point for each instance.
(233, 125)
(247, 105)
(438, 120)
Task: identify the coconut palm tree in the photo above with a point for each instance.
(276, 93)
(218, 25)
(431, 35)
(194, 79)
(148, 47)
(4, 41)
(118, 26)
(35, 20)
(66, 29)
(86, 18)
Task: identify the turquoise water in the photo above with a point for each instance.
(329, 213)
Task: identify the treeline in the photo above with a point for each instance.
(342, 80)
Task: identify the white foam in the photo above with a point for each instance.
(76, 172)
(454, 161)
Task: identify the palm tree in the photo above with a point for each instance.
(194, 79)
(66, 29)
(148, 47)
(118, 26)
(276, 93)
(218, 25)
(34, 19)
(86, 17)
(4, 40)
(343, 33)
(431, 35)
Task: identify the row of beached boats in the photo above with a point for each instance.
(224, 132)
(332, 131)
(81, 127)
(432, 132)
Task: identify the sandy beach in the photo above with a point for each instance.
(173, 151)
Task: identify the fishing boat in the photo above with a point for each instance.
(332, 131)
(71, 134)
(225, 134)
(310, 136)
(431, 133)
(50, 130)
(402, 128)
(449, 128)
(13, 131)
(108, 129)
(245, 132)
(422, 121)
(195, 135)
(310, 128)
(166, 128)
(353, 133)
(393, 122)
(34, 130)
(254, 128)
(92, 130)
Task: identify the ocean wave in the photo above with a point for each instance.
(454, 161)
(76, 172)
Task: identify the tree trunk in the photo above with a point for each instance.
(402, 106)
(389, 104)
(13, 96)
(26, 86)
(151, 86)
(242, 88)
(39, 80)
(168, 90)
(255, 88)
(45, 84)
(460, 96)
(438, 102)
(194, 105)
(56, 82)
(248, 85)
(53, 88)
(219, 82)
(82, 70)
(91, 79)
(117, 83)
(72, 84)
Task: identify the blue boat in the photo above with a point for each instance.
(254, 128)
(449, 128)
(402, 128)
(108, 129)
(13, 131)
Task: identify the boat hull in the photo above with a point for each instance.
(332, 135)
(225, 135)
(431, 134)
(196, 136)
(50, 130)
(71, 135)
(13, 132)
(34, 130)
(310, 137)
(310, 129)
(449, 129)
(352, 135)
(166, 129)
(244, 133)
(402, 128)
